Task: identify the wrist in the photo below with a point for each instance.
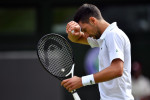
(88, 80)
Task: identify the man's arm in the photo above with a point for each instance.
(113, 71)
(74, 33)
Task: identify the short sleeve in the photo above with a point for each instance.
(115, 45)
(92, 42)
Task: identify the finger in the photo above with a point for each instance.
(67, 84)
(73, 31)
(77, 33)
(68, 29)
(70, 24)
(71, 89)
(63, 82)
(76, 28)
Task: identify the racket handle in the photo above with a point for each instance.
(76, 96)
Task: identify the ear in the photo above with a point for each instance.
(92, 20)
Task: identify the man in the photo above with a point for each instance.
(140, 83)
(113, 78)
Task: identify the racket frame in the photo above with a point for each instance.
(74, 93)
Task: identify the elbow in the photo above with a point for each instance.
(120, 72)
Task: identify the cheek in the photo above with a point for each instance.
(90, 30)
(93, 29)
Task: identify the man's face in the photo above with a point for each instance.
(88, 29)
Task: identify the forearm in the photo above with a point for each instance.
(107, 74)
(82, 41)
(78, 39)
(113, 71)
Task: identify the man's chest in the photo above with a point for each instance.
(103, 56)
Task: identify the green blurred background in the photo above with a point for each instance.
(23, 23)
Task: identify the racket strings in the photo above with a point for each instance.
(56, 55)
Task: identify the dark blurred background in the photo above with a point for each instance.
(23, 23)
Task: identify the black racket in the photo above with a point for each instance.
(56, 56)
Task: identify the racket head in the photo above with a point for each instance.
(56, 55)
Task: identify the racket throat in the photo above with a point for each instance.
(75, 95)
(71, 71)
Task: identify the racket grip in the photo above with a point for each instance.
(76, 96)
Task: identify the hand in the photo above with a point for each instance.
(72, 83)
(73, 30)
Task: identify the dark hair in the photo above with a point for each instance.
(85, 12)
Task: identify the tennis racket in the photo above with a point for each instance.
(56, 56)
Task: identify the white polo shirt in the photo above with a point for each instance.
(113, 44)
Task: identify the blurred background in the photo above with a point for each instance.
(23, 23)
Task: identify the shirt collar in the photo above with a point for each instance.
(109, 28)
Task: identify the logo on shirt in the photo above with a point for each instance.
(116, 50)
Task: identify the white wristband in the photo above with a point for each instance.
(88, 80)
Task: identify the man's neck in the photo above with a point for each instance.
(102, 26)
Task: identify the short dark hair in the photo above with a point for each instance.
(85, 12)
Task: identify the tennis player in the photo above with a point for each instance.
(113, 78)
